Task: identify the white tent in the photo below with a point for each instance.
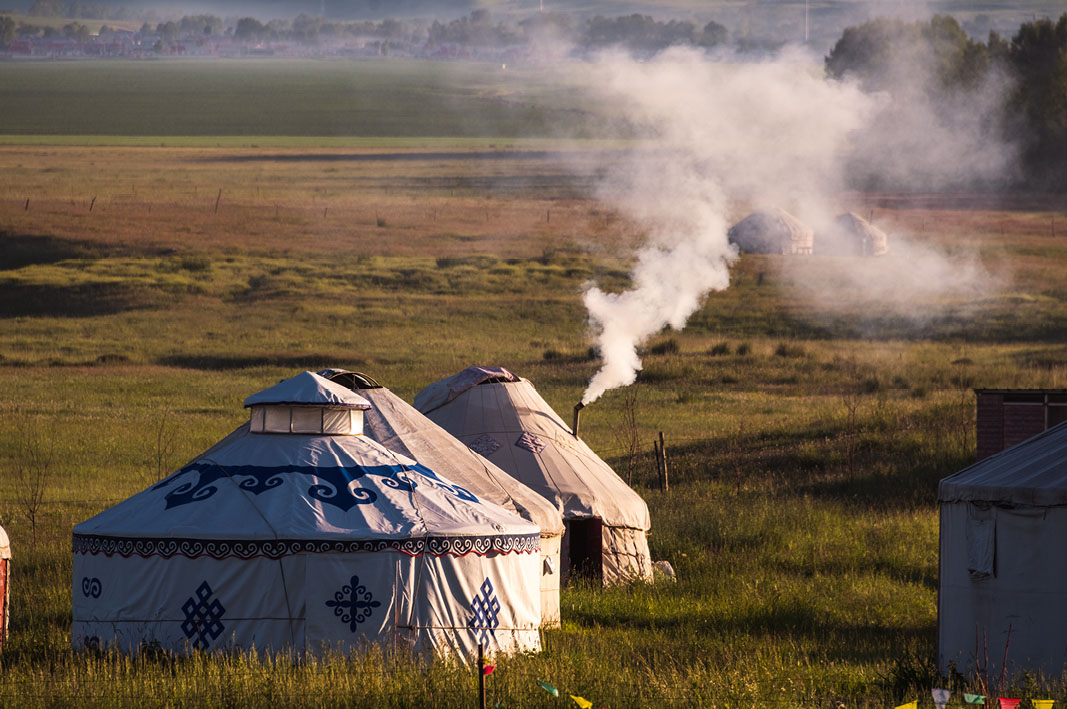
(502, 417)
(849, 234)
(304, 534)
(774, 231)
(5, 588)
(401, 428)
(1003, 576)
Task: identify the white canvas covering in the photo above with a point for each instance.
(300, 542)
(5, 545)
(1003, 576)
(774, 231)
(851, 235)
(509, 423)
(398, 426)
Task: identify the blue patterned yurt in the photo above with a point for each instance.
(305, 535)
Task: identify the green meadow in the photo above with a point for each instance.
(151, 278)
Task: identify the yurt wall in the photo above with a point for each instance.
(5, 585)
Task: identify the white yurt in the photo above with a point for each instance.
(850, 234)
(1003, 563)
(773, 231)
(305, 535)
(502, 417)
(5, 585)
(399, 427)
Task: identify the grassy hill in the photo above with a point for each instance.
(148, 290)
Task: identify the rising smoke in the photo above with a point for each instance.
(774, 133)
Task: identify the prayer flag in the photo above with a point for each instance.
(1042, 703)
(974, 698)
(909, 705)
(582, 702)
(941, 697)
(548, 688)
(488, 669)
(1006, 703)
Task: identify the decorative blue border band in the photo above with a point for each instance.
(277, 548)
(333, 485)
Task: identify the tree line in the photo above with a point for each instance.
(1032, 66)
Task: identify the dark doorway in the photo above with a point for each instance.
(586, 548)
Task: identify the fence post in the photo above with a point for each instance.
(665, 485)
(481, 676)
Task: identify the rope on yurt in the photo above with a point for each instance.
(281, 566)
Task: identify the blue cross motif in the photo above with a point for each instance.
(358, 605)
(203, 617)
(486, 609)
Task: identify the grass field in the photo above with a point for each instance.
(286, 97)
(147, 290)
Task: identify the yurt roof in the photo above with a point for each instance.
(515, 428)
(398, 426)
(770, 221)
(270, 495)
(852, 225)
(1033, 472)
(308, 389)
(5, 545)
(441, 392)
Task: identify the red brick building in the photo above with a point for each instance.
(1010, 416)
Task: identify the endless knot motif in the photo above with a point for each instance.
(358, 605)
(91, 587)
(530, 442)
(484, 445)
(203, 617)
(486, 608)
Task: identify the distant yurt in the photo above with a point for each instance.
(398, 426)
(502, 417)
(851, 235)
(5, 585)
(1003, 565)
(306, 535)
(773, 231)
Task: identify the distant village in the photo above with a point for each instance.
(474, 36)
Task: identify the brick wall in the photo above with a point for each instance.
(989, 427)
(1022, 421)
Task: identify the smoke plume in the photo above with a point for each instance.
(714, 132)
(717, 133)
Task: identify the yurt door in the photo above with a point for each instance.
(586, 538)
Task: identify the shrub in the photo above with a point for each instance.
(744, 349)
(721, 348)
(666, 347)
(785, 349)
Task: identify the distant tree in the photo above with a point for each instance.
(306, 29)
(76, 30)
(638, 33)
(202, 25)
(713, 35)
(888, 53)
(7, 31)
(1038, 58)
(249, 29)
(46, 8)
(168, 32)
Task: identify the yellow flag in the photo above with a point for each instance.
(909, 705)
(582, 702)
(1042, 703)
